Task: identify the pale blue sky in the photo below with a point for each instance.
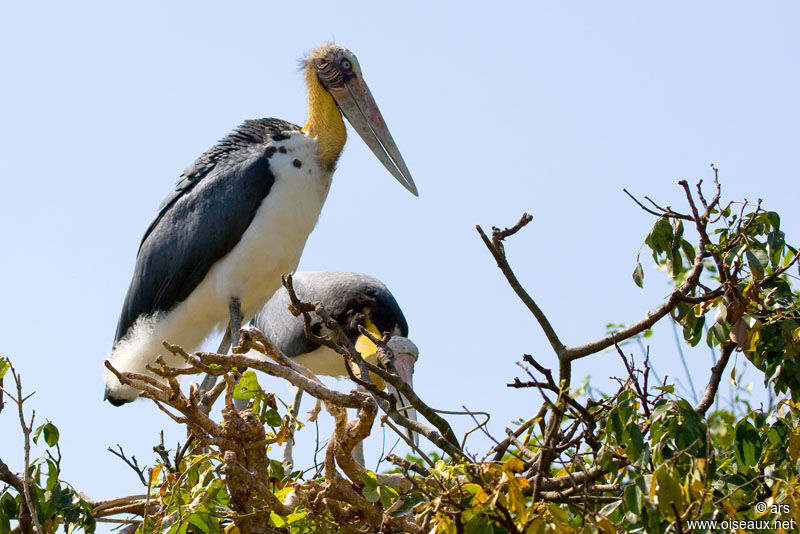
(499, 108)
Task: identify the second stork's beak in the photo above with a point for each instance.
(356, 103)
(405, 355)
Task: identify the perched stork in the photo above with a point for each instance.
(239, 218)
(354, 300)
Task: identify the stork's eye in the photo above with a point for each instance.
(346, 65)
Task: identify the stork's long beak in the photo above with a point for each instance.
(357, 104)
(404, 364)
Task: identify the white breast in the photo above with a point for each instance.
(270, 247)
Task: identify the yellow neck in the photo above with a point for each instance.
(369, 351)
(324, 123)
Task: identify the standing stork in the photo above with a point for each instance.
(239, 218)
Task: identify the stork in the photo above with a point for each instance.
(239, 217)
(353, 300)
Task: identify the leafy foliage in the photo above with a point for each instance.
(57, 503)
(640, 459)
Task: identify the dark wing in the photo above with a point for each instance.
(202, 219)
(345, 296)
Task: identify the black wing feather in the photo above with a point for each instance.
(201, 220)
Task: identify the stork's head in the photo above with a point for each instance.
(405, 356)
(337, 70)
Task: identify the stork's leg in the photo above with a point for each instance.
(286, 457)
(235, 324)
(358, 453)
(224, 345)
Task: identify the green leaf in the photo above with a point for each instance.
(615, 425)
(5, 365)
(205, 522)
(758, 262)
(277, 520)
(276, 469)
(774, 219)
(607, 511)
(748, 445)
(721, 332)
(776, 241)
(635, 442)
(5, 523)
(472, 488)
(248, 386)
(52, 475)
(778, 433)
(8, 505)
(670, 497)
(296, 516)
(371, 494)
(179, 528)
(675, 262)
(669, 388)
(388, 496)
(632, 497)
(370, 490)
(638, 275)
(734, 253)
(688, 251)
(50, 434)
(273, 418)
(479, 524)
(693, 329)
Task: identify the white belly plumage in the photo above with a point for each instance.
(270, 247)
(323, 361)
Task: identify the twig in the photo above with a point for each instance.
(642, 394)
(710, 392)
(407, 465)
(495, 246)
(574, 353)
(500, 448)
(26, 430)
(662, 212)
(132, 463)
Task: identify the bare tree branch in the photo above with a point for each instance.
(710, 392)
(495, 246)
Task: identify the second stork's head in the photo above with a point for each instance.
(354, 300)
(336, 87)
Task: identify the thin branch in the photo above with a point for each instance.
(662, 212)
(407, 465)
(574, 353)
(710, 392)
(26, 430)
(132, 463)
(500, 449)
(495, 246)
